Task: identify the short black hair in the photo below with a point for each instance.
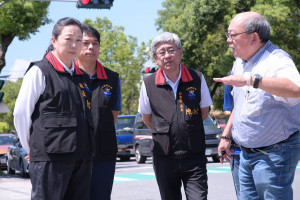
(90, 30)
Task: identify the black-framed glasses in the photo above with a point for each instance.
(230, 36)
(170, 51)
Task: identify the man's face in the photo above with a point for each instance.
(167, 55)
(90, 47)
(240, 43)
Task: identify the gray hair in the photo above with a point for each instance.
(165, 37)
(259, 25)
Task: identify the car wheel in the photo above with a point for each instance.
(22, 170)
(9, 169)
(138, 155)
(125, 158)
(216, 159)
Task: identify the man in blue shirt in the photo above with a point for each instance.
(106, 103)
(265, 120)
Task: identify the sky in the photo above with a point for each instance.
(136, 16)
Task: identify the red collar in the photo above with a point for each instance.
(161, 80)
(57, 65)
(101, 74)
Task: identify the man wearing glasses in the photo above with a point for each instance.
(265, 120)
(174, 102)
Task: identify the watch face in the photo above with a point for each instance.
(256, 80)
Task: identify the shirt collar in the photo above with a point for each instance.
(100, 71)
(169, 81)
(58, 64)
(259, 53)
(185, 76)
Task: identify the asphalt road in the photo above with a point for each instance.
(137, 182)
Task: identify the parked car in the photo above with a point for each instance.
(124, 131)
(6, 140)
(143, 139)
(16, 159)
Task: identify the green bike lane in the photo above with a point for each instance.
(121, 178)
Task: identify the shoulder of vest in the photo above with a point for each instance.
(110, 72)
(195, 73)
(42, 64)
(150, 77)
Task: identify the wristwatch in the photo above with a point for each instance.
(256, 80)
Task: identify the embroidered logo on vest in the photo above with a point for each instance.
(86, 93)
(107, 90)
(191, 92)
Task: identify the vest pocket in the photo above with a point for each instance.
(60, 133)
(196, 138)
(161, 139)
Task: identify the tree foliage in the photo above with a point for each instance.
(117, 52)
(11, 91)
(19, 18)
(201, 24)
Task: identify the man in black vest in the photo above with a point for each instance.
(106, 104)
(174, 102)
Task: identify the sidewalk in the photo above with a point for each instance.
(10, 185)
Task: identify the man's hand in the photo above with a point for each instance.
(235, 80)
(27, 158)
(224, 146)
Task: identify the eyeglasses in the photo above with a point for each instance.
(230, 36)
(163, 53)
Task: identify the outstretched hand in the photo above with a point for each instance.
(235, 80)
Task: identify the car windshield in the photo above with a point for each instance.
(125, 123)
(6, 140)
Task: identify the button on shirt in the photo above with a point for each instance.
(144, 104)
(260, 118)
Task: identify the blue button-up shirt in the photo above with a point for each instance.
(260, 118)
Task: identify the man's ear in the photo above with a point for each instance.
(154, 57)
(255, 38)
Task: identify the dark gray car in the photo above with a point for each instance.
(143, 139)
(16, 159)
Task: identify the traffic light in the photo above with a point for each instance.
(149, 70)
(102, 4)
(1, 93)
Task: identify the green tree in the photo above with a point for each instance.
(4, 127)
(11, 91)
(117, 52)
(201, 25)
(20, 18)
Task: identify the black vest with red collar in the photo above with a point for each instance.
(177, 124)
(62, 126)
(104, 88)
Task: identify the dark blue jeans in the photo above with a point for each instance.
(270, 176)
(235, 174)
(102, 179)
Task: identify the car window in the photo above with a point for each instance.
(139, 124)
(208, 121)
(4, 140)
(125, 123)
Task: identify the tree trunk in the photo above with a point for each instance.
(5, 42)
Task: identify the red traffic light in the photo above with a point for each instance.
(85, 1)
